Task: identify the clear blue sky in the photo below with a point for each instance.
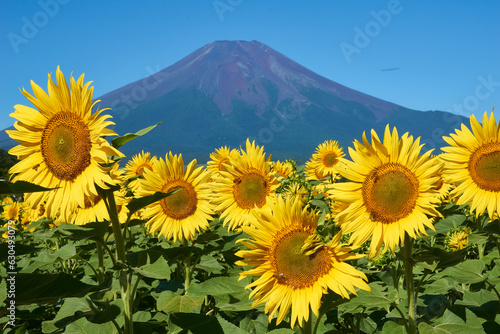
(424, 55)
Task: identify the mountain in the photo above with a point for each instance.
(227, 91)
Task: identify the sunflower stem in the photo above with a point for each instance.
(100, 259)
(187, 267)
(307, 329)
(125, 283)
(410, 287)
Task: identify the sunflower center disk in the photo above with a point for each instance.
(181, 204)
(484, 167)
(12, 213)
(250, 190)
(292, 267)
(330, 160)
(390, 193)
(66, 145)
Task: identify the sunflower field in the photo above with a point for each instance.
(388, 238)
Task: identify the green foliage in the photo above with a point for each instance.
(68, 280)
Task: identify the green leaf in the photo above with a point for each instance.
(493, 275)
(493, 227)
(83, 326)
(467, 272)
(146, 256)
(493, 255)
(20, 249)
(41, 221)
(483, 303)
(477, 239)
(367, 325)
(159, 269)
(257, 326)
(197, 323)
(171, 303)
(282, 331)
(448, 223)
(3, 292)
(20, 187)
(93, 231)
(380, 297)
(229, 328)
(74, 309)
(391, 327)
(141, 316)
(320, 204)
(228, 304)
(210, 264)
(450, 323)
(218, 286)
(48, 288)
(137, 204)
(67, 314)
(229, 293)
(64, 253)
(444, 259)
(120, 141)
(440, 286)
(207, 237)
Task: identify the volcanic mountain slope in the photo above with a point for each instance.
(228, 91)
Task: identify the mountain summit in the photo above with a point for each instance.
(247, 72)
(228, 91)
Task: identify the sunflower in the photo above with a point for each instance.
(94, 210)
(6, 204)
(457, 239)
(247, 184)
(135, 168)
(283, 169)
(62, 145)
(121, 204)
(11, 211)
(443, 188)
(295, 190)
(392, 191)
(220, 158)
(182, 214)
(294, 267)
(473, 161)
(312, 172)
(326, 157)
